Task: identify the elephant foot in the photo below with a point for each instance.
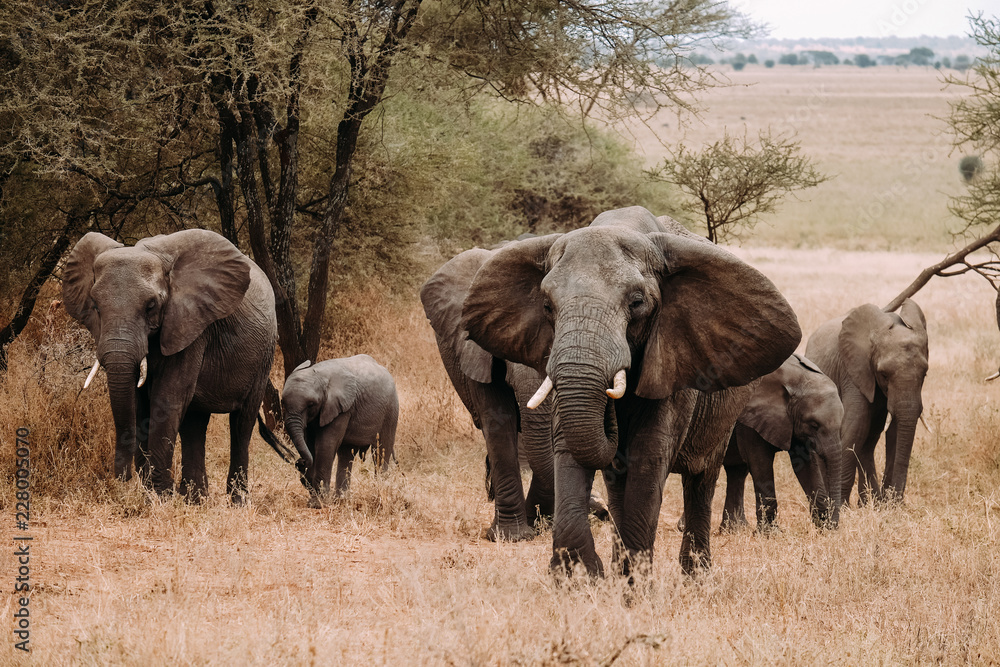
(598, 509)
(695, 563)
(567, 562)
(509, 532)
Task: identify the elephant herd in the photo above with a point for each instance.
(630, 347)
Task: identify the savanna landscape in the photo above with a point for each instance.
(400, 573)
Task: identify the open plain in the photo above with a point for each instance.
(399, 573)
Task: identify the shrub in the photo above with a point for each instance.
(769, 63)
(970, 167)
(788, 59)
(738, 65)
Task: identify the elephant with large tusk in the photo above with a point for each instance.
(185, 327)
(650, 338)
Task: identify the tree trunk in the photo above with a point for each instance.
(27, 303)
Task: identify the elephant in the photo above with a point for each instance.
(796, 409)
(339, 408)
(678, 327)
(496, 393)
(878, 361)
(185, 328)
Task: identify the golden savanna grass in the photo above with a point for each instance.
(399, 573)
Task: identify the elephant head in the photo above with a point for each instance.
(163, 292)
(622, 303)
(797, 409)
(887, 352)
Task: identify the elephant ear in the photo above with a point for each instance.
(721, 322)
(341, 392)
(912, 316)
(807, 364)
(78, 278)
(304, 365)
(504, 311)
(208, 277)
(767, 411)
(855, 345)
(442, 296)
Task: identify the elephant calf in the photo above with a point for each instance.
(795, 409)
(339, 408)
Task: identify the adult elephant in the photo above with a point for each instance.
(185, 327)
(677, 326)
(878, 361)
(795, 409)
(496, 393)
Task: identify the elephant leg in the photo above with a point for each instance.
(868, 485)
(329, 446)
(762, 470)
(241, 423)
(500, 423)
(614, 483)
(194, 479)
(345, 461)
(733, 514)
(644, 482)
(170, 394)
(536, 433)
(385, 449)
(699, 489)
(572, 541)
(853, 434)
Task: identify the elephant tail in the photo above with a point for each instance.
(490, 495)
(286, 454)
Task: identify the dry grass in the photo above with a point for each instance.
(879, 132)
(399, 573)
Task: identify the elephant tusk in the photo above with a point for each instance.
(992, 377)
(93, 372)
(929, 429)
(618, 390)
(142, 373)
(541, 394)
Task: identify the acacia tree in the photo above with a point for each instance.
(975, 122)
(733, 181)
(250, 112)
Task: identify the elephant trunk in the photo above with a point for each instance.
(585, 420)
(294, 428)
(123, 371)
(905, 418)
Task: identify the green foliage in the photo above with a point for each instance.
(769, 63)
(789, 59)
(752, 59)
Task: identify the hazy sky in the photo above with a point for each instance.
(865, 18)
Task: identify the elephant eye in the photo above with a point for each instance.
(547, 307)
(637, 301)
(150, 305)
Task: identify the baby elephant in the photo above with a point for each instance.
(796, 409)
(339, 407)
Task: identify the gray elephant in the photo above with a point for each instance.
(185, 328)
(336, 409)
(878, 361)
(795, 409)
(649, 338)
(495, 393)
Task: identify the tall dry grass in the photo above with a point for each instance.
(398, 573)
